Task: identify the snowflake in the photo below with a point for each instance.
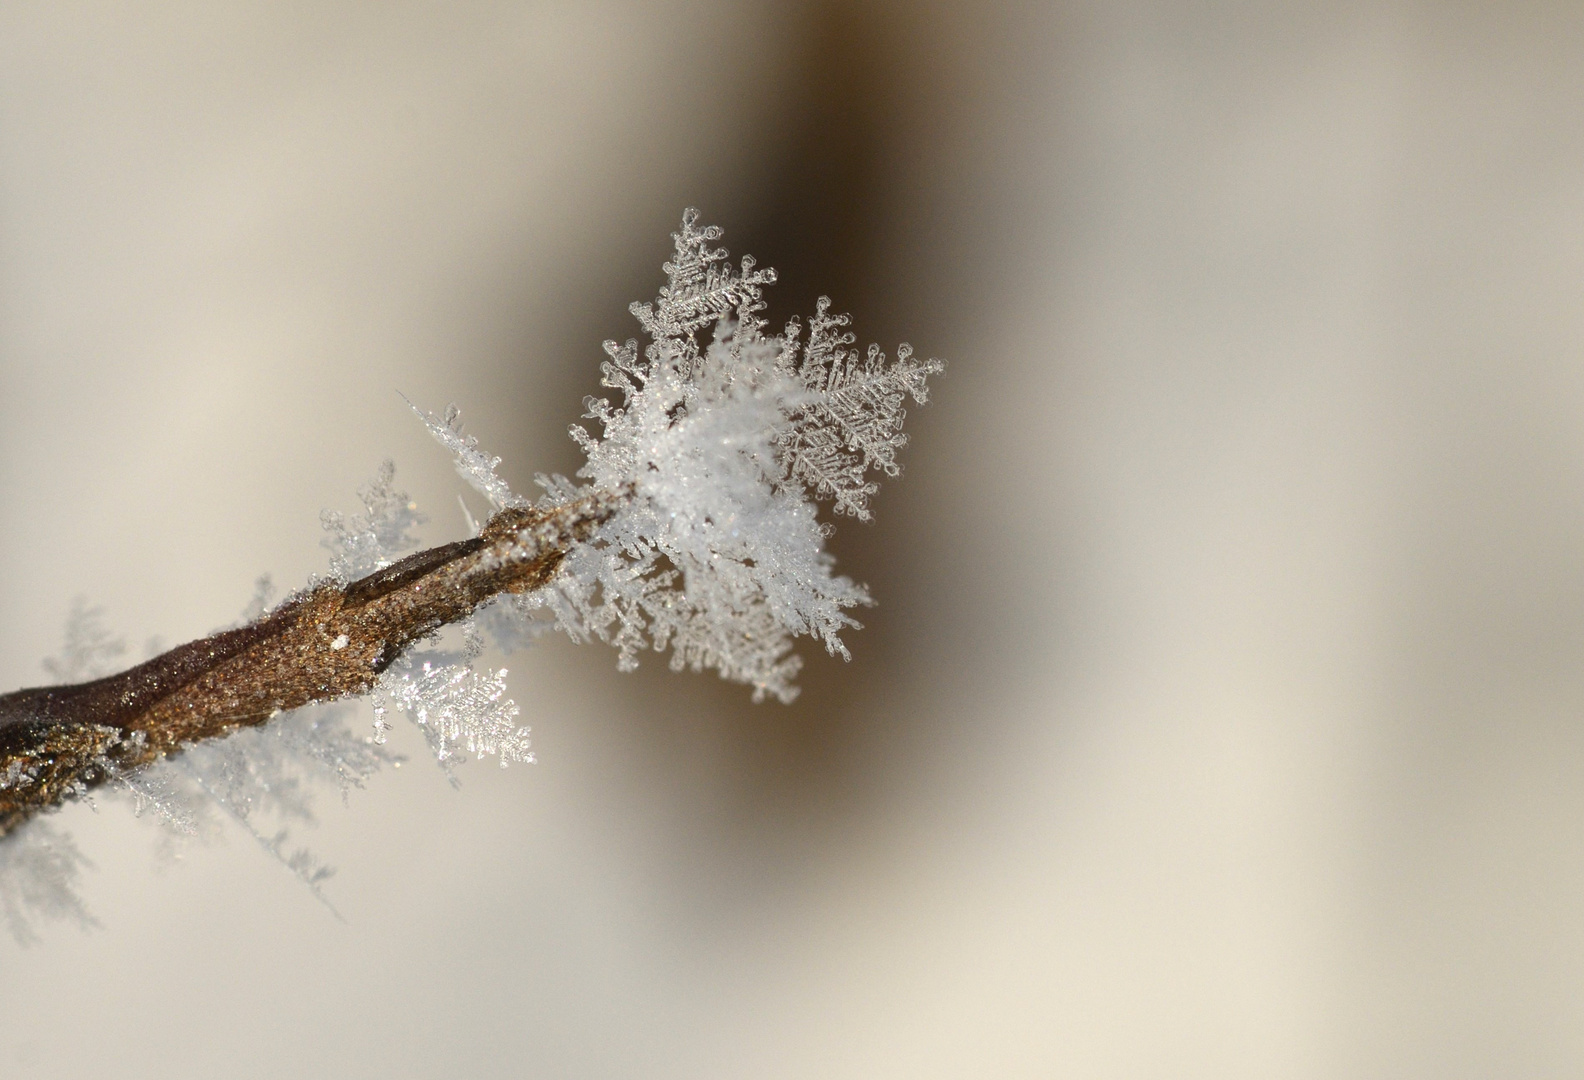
(472, 464)
(724, 445)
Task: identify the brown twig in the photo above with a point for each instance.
(329, 642)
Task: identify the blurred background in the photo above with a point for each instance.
(1223, 713)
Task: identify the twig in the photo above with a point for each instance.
(330, 641)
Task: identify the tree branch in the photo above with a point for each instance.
(331, 641)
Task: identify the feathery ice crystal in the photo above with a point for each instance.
(694, 530)
(723, 446)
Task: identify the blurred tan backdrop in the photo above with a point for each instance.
(1223, 715)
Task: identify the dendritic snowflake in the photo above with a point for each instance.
(724, 444)
(472, 464)
(264, 779)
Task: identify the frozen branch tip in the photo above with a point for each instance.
(691, 528)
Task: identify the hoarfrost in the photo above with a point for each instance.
(263, 593)
(718, 449)
(454, 706)
(725, 445)
(377, 537)
(265, 778)
(39, 871)
(156, 790)
(512, 622)
(472, 464)
(90, 650)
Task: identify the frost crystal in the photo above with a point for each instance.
(376, 538)
(851, 421)
(156, 791)
(264, 778)
(453, 704)
(472, 464)
(17, 774)
(449, 702)
(39, 868)
(724, 445)
(90, 650)
(263, 593)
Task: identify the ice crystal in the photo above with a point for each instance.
(265, 778)
(512, 622)
(157, 791)
(39, 868)
(271, 768)
(472, 464)
(18, 774)
(851, 420)
(90, 650)
(268, 774)
(455, 706)
(724, 445)
(263, 593)
(374, 539)
(721, 442)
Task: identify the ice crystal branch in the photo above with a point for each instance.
(330, 641)
(694, 530)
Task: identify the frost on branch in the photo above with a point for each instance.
(265, 779)
(724, 444)
(472, 464)
(696, 531)
(374, 539)
(455, 706)
(719, 449)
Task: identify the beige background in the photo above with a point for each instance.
(1224, 713)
